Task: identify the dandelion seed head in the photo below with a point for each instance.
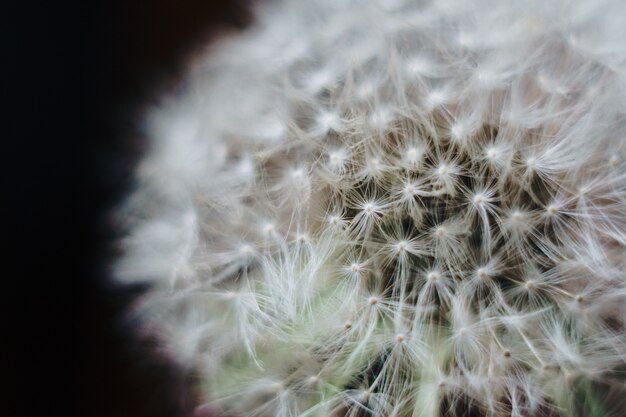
(393, 209)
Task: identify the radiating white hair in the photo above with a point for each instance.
(394, 208)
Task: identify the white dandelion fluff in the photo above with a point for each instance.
(394, 208)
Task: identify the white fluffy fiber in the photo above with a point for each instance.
(399, 208)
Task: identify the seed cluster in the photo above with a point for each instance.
(407, 209)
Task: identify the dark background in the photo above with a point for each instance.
(75, 80)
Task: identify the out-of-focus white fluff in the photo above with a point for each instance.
(398, 208)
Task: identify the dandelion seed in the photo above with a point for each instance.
(432, 276)
(337, 160)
